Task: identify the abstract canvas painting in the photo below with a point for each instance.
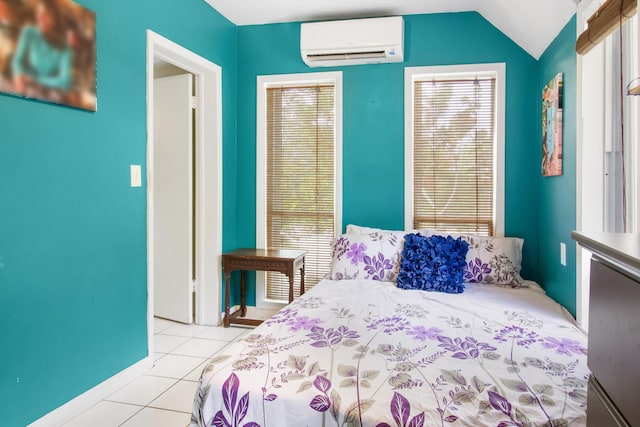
(48, 51)
(552, 127)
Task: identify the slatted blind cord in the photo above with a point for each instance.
(433, 150)
(317, 149)
(477, 103)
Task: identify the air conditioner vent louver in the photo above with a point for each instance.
(351, 42)
(345, 56)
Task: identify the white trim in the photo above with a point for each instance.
(581, 309)
(208, 176)
(590, 141)
(631, 47)
(408, 145)
(263, 82)
(94, 395)
(411, 74)
(634, 119)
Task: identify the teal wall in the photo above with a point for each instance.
(557, 196)
(373, 119)
(73, 284)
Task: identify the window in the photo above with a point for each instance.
(454, 148)
(297, 179)
(602, 174)
(620, 162)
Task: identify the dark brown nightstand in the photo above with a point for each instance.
(283, 261)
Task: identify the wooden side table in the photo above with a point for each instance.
(283, 261)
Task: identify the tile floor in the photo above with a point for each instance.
(163, 396)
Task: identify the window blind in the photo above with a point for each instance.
(300, 179)
(454, 132)
(609, 16)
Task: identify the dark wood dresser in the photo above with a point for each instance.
(614, 328)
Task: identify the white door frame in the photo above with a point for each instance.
(208, 176)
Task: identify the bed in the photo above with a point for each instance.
(365, 352)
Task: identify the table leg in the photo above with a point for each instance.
(243, 294)
(291, 277)
(227, 278)
(302, 278)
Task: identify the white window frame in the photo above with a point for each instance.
(412, 74)
(263, 83)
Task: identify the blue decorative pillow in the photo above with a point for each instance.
(434, 263)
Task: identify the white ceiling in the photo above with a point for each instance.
(532, 24)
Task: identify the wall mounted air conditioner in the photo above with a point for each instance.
(351, 42)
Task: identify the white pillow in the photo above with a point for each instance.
(493, 260)
(358, 229)
(373, 256)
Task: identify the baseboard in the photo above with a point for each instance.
(86, 400)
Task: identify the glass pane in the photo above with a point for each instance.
(300, 179)
(454, 131)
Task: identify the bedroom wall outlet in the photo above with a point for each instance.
(563, 254)
(136, 176)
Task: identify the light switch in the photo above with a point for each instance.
(136, 176)
(563, 254)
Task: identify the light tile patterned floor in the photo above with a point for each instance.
(163, 396)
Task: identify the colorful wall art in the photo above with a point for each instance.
(552, 127)
(48, 51)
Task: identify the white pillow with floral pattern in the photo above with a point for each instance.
(375, 256)
(492, 260)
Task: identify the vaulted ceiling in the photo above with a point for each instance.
(532, 24)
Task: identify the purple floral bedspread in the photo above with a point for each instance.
(365, 353)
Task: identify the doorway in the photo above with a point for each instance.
(205, 191)
(174, 168)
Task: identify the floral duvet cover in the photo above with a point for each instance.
(365, 353)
